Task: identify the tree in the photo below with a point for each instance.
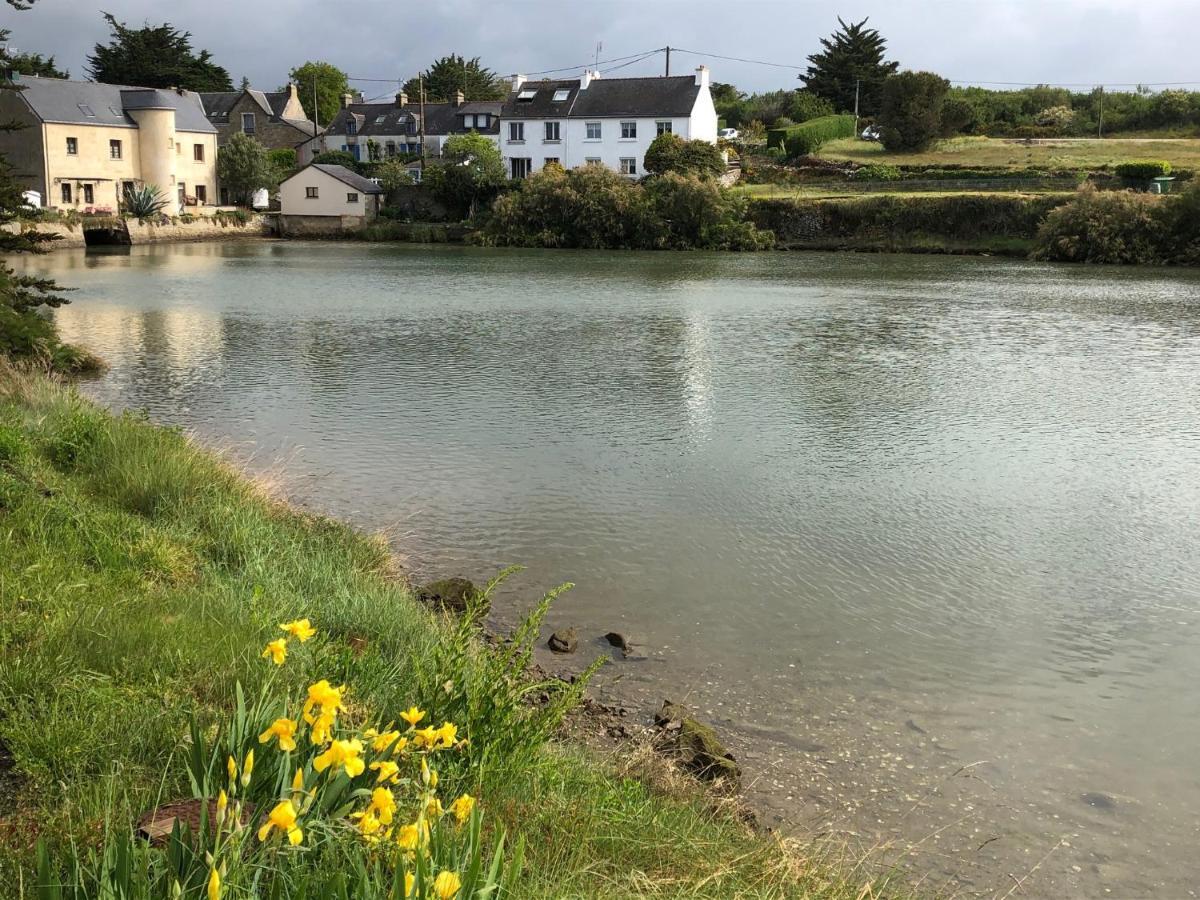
(451, 74)
(331, 83)
(670, 153)
(471, 172)
(910, 117)
(158, 56)
(807, 105)
(853, 55)
(36, 64)
(392, 173)
(243, 168)
(338, 158)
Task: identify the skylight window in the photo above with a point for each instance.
(115, 111)
(379, 120)
(86, 110)
(526, 95)
(561, 95)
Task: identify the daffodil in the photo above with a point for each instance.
(388, 770)
(342, 754)
(247, 769)
(412, 716)
(283, 817)
(214, 885)
(324, 695)
(222, 803)
(381, 740)
(463, 807)
(301, 629)
(383, 803)
(447, 733)
(231, 768)
(446, 885)
(298, 781)
(285, 730)
(276, 650)
(433, 808)
(426, 737)
(322, 729)
(409, 837)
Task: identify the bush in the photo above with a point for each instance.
(1143, 170)
(338, 158)
(877, 172)
(807, 106)
(958, 116)
(910, 117)
(670, 153)
(1105, 227)
(807, 138)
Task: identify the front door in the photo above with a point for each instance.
(182, 195)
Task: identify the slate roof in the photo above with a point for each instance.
(62, 100)
(440, 118)
(673, 97)
(219, 106)
(344, 175)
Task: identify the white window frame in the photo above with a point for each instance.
(513, 165)
(72, 146)
(552, 161)
(593, 161)
(598, 127)
(629, 131)
(555, 129)
(561, 95)
(312, 192)
(516, 132)
(631, 168)
(116, 150)
(526, 96)
(665, 127)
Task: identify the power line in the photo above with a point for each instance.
(757, 62)
(601, 62)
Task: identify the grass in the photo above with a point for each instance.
(1002, 153)
(842, 192)
(141, 578)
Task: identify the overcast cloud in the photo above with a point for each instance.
(1057, 41)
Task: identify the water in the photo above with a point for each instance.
(918, 534)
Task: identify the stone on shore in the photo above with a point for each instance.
(695, 745)
(565, 640)
(452, 595)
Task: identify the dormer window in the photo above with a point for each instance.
(561, 94)
(526, 96)
(351, 125)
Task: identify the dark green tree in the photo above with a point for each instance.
(330, 82)
(910, 117)
(852, 55)
(159, 56)
(338, 158)
(36, 64)
(243, 167)
(451, 74)
(671, 153)
(470, 173)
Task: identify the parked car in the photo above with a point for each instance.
(870, 133)
(728, 134)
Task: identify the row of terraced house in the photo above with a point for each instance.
(84, 144)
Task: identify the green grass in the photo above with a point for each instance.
(141, 577)
(842, 192)
(1045, 154)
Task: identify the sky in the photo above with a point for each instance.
(1083, 42)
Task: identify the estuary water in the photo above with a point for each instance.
(920, 535)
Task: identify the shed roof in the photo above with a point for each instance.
(344, 175)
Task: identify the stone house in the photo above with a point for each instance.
(323, 197)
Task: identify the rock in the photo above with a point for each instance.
(452, 595)
(565, 640)
(157, 825)
(696, 746)
(619, 641)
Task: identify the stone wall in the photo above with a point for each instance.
(206, 228)
(318, 226)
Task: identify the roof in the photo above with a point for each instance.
(674, 97)
(344, 175)
(62, 100)
(219, 106)
(389, 120)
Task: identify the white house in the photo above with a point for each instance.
(611, 121)
(332, 193)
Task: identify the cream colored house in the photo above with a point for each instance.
(85, 144)
(329, 192)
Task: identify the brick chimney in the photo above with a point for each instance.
(459, 98)
(702, 76)
(401, 100)
(588, 77)
(347, 99)
(518, 82)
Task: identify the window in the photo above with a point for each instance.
(390, 148)
(552, 132)
(593, 131)
(379, 120)
(351, 197)
(198, 152)
(351, 125)
(178, 149)
(550, 161)
(628, 131)
(561, 94)
(663, 127)
(170, 143)
(114, 149)
(202, 194)
(592, 161)
(89, 194)
(248, 125)
(86, 110)
(312, 193)
(526, 96)
(483, 121)
(520, 167)
(628, 165)
(72, 146)
(66, 192)
(516, 132)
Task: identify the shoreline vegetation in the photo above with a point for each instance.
(144, 576)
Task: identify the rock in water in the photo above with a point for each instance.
(619, 641)
(696, 746)
(453, 595)
(565, 640)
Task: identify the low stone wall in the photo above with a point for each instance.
(206, 228)
(317, 226)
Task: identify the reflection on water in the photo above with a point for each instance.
(920, 534)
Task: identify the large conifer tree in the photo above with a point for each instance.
(158, 56)
(451, 74)
(852, 54)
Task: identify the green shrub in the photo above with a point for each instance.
(1144, 169)
(806, 139)
(878, 172)
(338, 158)
(670, 153)
(910, 117)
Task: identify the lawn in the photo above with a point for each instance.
(842, 192)
(1071, 154)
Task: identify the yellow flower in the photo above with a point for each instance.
(380, 741)
(247, 768)
(322, 729)
(276, 650)
(301, 629)
(343, 754)
(214, 885)
(462, 808)
(447, 733)
(446, 885)
(433, 808)
(409, 880)
(324, 695)
(298, 781)
(231, 768)
(222, 801)
(411, 836)
(285, 730)
(383, 804)
(388, 770)
(426, 737)
(412, 716)
(283, 817)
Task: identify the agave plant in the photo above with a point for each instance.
(144, 202)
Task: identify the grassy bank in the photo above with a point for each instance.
(142, 578)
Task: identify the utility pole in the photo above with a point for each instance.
(316, 115)
(599, 47)
(857, 85)
(1100, 129)
(668, 75)
(421, 85)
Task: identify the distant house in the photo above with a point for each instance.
(606, 121)
(331, 193)
(84, 144)
(276, 119)
(383, 130)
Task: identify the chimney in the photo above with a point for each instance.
(459, 98)
(588, 77)
(347, 99)
(293, 92)
(517, 82)
(401, 100)
(702, 79)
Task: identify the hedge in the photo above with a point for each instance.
(1144, 169)
(806, 138)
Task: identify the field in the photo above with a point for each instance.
(843, 192)
(1063, 153)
